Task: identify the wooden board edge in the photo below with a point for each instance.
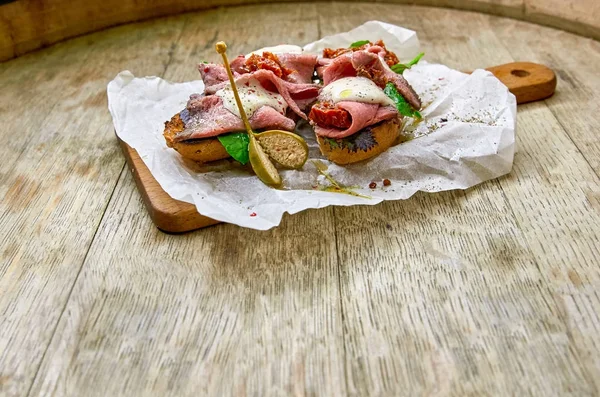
(168, 214)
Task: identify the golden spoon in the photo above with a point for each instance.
(288, 149)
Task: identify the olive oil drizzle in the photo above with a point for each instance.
(335, 187)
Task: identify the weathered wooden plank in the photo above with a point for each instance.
(576, 16)
(577, 103)
(56, 186)
(26, 97)
(558, 225)
(561, 227)
(568, 192)
(488, 291)
(219, 311)
(443, 294)
(28, 25)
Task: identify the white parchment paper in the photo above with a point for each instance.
(467, 137)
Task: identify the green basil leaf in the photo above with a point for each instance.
(359, 43)
(400, 67)
(403, 107)
(332, 142)
(416, 59)
(236, 144)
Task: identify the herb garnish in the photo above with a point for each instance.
(335, 186)
(400, 67)
(236, 144)
(403, 107)
(359, 43)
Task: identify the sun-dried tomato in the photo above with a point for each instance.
(390, 58)
(377, 76)
(267, 61)
(326, 115)
(331, 53)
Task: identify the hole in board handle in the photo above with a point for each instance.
(520, 73)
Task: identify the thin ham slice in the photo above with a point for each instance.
(207, 117)
(362, 114)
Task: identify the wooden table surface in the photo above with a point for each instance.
(489, 291)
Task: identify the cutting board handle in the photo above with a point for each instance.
(526, 80)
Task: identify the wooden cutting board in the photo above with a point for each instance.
(527, 81)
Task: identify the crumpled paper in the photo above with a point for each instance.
(467, 137)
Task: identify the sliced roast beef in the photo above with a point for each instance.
(292, 93)
(375, 49)
(238, 65)
(302, 65)
(212, 73)
(294, 68)
(304, 103)
(368, 63)
(339, 68)
(378, 48)
(362, 115)
(207, 117)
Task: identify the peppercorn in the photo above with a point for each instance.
(387, 182)
(372, 185)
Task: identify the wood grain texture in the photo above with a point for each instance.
(225, 311)
(573, 275)
(577, 107)
(489, 291)
(26, 25)
(221, 311)
(580, 11)
(59, 169)
(422, 321)
(583, 16)
(528, 81)
(168, 214)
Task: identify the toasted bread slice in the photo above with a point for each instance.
(382, 136)
(201, 150)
